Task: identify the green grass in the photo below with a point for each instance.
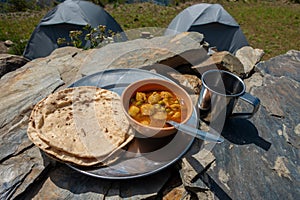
(18, 27)
(273, 26)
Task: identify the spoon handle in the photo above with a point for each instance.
(203, 135)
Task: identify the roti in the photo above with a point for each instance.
(83, 125)
(67, 158)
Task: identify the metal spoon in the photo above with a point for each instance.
(203, 135)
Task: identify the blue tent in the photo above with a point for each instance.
(219, 28)
(68, 16)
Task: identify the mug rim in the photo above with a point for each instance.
(226, 72)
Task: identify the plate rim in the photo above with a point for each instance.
(164, 166)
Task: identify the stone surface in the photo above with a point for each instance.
(258, 160)
(20, 91)
(249, 57)
(144, 52)
(27, 173)
(225, 61)
(283, 65)
(8, 43)
(62, 182)
(23, 171)
(10, 63)
(3, 48)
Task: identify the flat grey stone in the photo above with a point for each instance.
(249, 57)
(64, 182)
(141, 52)
(258, 160)
(283, 65)
(9, 62)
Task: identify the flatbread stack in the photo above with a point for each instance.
(81, 125)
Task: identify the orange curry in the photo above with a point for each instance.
(153, 108)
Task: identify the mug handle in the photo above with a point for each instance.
(254, 101)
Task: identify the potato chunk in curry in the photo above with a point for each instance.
(165, 94)
(151, 107)
(147, 109)
(154, 98)
(133, 111)
(140, 96)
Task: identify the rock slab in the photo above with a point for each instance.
(10, 63)
(28, 173)
(258, 160)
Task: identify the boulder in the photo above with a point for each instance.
(283, 65)
(223, 60)
(186, 47)
(259, 156)
(8, 43)
(249, 57)
(24, 87)
(10, 63)
(257, 160)
(3, 48)
(242, 63)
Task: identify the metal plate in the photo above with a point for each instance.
(144, 156)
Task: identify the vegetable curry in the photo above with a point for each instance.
(153, 108)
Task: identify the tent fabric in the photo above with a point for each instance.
(219, 28)
(67, 16)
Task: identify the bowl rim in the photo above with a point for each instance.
(157, 81)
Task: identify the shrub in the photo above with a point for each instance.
(97, 37)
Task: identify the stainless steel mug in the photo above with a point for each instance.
(219, 94)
